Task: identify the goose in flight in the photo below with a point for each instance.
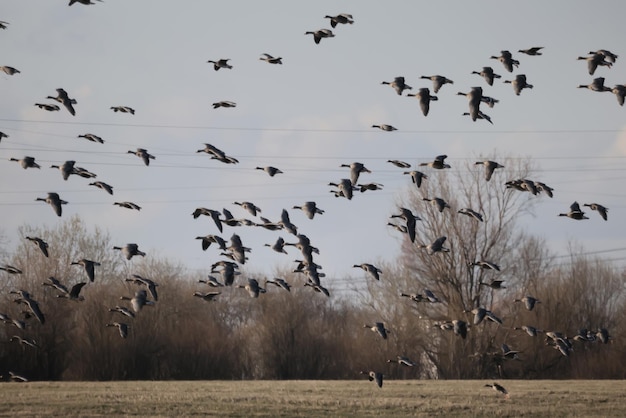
(3, 24)
(278, 282)
(102, 185)
(436, 246)
(471, 213)
(48, 107)
(211, 281)
(398, 85)
(602, 210)
(143, 154)
(54, 201)
(26, 299)
(130, 250)
(55, 284)
(92, 138)
(123, 109)
(410, 220)
(214, 214)
(221, 63)
(498, 389)
(9, 70)
(208, 297)
(123, 310)
(416, 177)
(121, 326)
(272, 171)
(26, 162)
(474, 97)
(369, 186)
(356, 169)
(575, 212)
(24, 341)
(490, 167)
(488, 74)
(310, 209)
(224, 103)
(399, 164)
(370, 269)
(74, 293)
(318, 35)
(437, 202)
(384, 127)
(438, 81)
(620, 92)
(536, 50)
(250, 207)
(10, 269)
(506, 58)
(596, 85)
(270, 59)
(528, 301)
(63, 98)
(253, 288)
(207, 240)
(595, 60)
(379, 328)
(528, 329)
(438, 163)
(374, 376)
(608, 55)
(424, 97)
(148, 283)
(485, 265)
(345, 188)
(480, 115)
(128, 205)
(519, 83)
(89, 266)
(85, 2)
(139, 300)
(43, 245)
(342, 18)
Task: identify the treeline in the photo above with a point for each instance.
(303, 334)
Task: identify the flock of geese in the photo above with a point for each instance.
(224, 272)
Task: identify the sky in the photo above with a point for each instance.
(307, 117)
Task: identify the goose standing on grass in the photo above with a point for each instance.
(374, 376)
(130, 250)
(398, 85)
(370, 269)
(310, 209)
(143, 154)
(89, 266)
(221, 63)
(410, 220)
(488, 74)
(43, 245)
(26, 162)
(519, 84)
(318, 35)
(490, 167)
(102, 185)
(506, 58)
(438, 81)
(595, 60)
(499, 389)
(596, 85)
(9, 70)
(342, 18)
(55, 201)
(424, 97)
(602, 210)
(121, 326)
(123, 109)
(270, 59)
(575, 212)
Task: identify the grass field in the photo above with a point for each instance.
(360, 398)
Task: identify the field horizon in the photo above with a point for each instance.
(314, 398)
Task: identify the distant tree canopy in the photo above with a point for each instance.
(460, 310)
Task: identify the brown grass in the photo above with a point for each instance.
(314, 398)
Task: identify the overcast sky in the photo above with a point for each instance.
(306, 117)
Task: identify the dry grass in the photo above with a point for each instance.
(314, 398)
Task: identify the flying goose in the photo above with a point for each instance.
(224, 103)
(9, 70)
(270, 59)
(575, 212)
(490, 167)
(530, 330)
(596, 85)
(416, 177)
(343, 18)
(85, 2)
(378, 328)
(488, 74)
(474, 97)
(529, 302)
(3, 24)
(92, 138)
(55, 201)
(214, 214)
(471, 213)
(128, 205)
(499, 389)
(319, 34)
(102, 185)
(485, 265)
(221, 63)
(122, 328)
(374, 376)
(370, 269)
(369, 186)
(399, 164)
(123, 310)
(480, 115)
(272, 171)
(384, 127)
(148, 283)
(494, 284)
(139, 300)
(207, 240)
(24, 341)
(123, 109)
(3, 135)
(10, 269)
(56, 284)
(280, 283)
(436, 246)
(410, 219)
(519, 83)
(595, 60)
(43, 245)
(415, 297)
(507, 60)
(249, 206)
(438, 163)
(130, 250)
(438, 81)
(345, 188)
(31, 303)
(437, 202)
(536, 50)
(424, 97)
(48, 107)
(63, 98)
(402, 360)
(310, 209)
(143, 154)
(602, 210)
(356, 169)
(620, 92)
(253, 288)
(269, 225)
(74, 293)
(208, 297)
(89, 266)
(398, 85)
(608, 55)
(211, 281)
(318, 288)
